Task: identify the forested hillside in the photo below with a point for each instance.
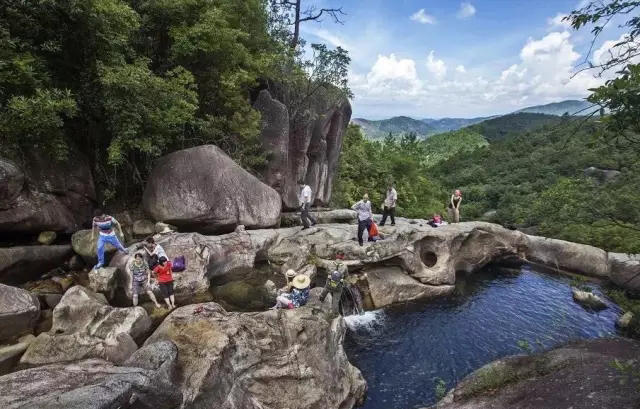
(125, 82)
(511, 125)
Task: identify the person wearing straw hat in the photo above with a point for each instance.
(295, 293)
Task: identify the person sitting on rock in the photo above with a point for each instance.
(365, 216)
(105, 225)
(298, 296)
(436, 221)
(154, 251)
(334, 285)
(165, 281)
(140, 278)
(305, 204)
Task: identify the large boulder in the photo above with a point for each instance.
(85, 326)
(567, 256)
(45, 194)
(84, 244)
(19, 312)
(624, 270)
(144, 382)
(307, 148)
(26, 263)
(273, 359)
(10, 354)
(578, 375)
(347, 216)
(202, 189)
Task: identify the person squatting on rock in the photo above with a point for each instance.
(389, 208)
(365, 216)
(105, 225)
(334, 285)
(154, 252)
(298, 294)
(140, 278)
(454, 206)
(165, 281)
(305, 204)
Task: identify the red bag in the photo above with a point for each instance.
(373, 230)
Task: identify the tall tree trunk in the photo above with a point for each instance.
(296, 30)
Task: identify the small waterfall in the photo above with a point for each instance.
(351, 301)
(367, 321)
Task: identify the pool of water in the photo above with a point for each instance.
(404, 350)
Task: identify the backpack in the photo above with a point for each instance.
(179, 264)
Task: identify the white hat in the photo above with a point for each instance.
(290, 273)
(301, 281)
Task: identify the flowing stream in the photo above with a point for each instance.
(403, 351)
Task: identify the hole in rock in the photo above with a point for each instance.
(429, 258)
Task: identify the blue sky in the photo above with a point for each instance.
(428, 58)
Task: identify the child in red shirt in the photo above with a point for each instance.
(165, 281)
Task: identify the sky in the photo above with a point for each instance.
(449, 58)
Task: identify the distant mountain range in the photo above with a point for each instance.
(426, 127)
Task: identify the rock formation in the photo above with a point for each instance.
(45, 194)
(202, 189)
(25, 263)
(19, 311)
(272, 359)
(85, 326)
(144, 381)
(578, 375)
(305, 151)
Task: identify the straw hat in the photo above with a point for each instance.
(290, 273)
(301, 281)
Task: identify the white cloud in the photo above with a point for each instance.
(328, 37)
(559, 22)
(435, 66)
(460, 68)
(422, 17)
(466, 10)
(608, 51)
(390, 76)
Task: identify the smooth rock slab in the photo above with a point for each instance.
(19, 312)
(86, 326)
(103, 280)
(274, 359)
(144, 383)
(26, 263)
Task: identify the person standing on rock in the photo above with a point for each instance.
(165, 281)
(305, 204)
(365, 216)
(334, 285)
(454, 206)
(105, 225)
(390, 206)
(140, 279)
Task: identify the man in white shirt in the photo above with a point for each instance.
(390, 206)
(305, 204)
(365, 216)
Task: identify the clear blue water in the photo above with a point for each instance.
(403, 350)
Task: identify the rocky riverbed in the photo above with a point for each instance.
(203, 355)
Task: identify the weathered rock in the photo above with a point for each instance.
(103, 280)
(566, 256)
(226, 258)
(272, 359)
(47, 237)
(323, 217)
(578, 375)
(202, 189)
(49, 292)
(145, 382)
(85, 326)
(10, 354)
(601, 175)
(625, 320)
(588, 299)
(390, 285)
(307, 150)
(26, 263)
(19, 311)
(45, 194)
(143, 228)
(85, 245)
(75, 263)
(624, 270)
(163, 228)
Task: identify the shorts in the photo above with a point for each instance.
(139, 287)
(166, 289)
